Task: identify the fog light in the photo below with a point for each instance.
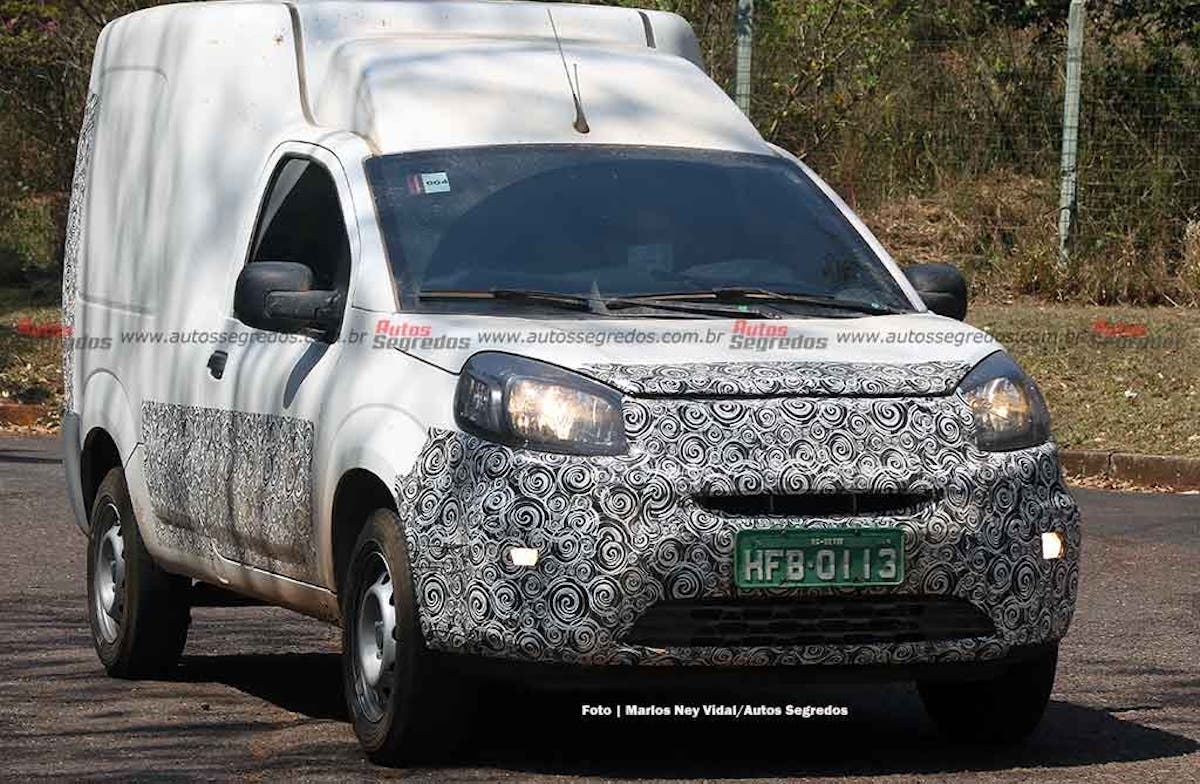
(1052, 546)
(523, 556)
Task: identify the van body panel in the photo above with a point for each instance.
(565, 342)
(107, 406)
(72, 447)
(206, 120)
(329, 26)
(440, 93)
(159, 210)
(164, 543)
(249, 435)
(279, 590)
(383, 439)
(411, 76)
(372, 287)
(132, 116)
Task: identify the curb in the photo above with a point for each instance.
(22, 414)
(1176, 473)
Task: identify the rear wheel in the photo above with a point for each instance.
(402, 710)
(138, 613)
(1003, 709)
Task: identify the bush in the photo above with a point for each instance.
(29, 240)
(939, 120)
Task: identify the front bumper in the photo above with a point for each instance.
(745, 680)
(73, 466)
(618, 536)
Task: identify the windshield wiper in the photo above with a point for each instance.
(569, 301)
(602, 305)
(652, 301)
(737, 293)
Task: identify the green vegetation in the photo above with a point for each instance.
(29, 241)
(30, 364)
(940, 121)
(1120, 379)
(1137, 393)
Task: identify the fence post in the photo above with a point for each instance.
(1068, 196)
(745, 52)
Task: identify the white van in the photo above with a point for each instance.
(495, 333)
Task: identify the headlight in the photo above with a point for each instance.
(1009, 411)
(525, 403)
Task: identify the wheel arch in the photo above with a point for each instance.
(102, 436)
(356, 474)
(99, 456)
(359, 492)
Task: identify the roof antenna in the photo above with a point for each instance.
(581, 123)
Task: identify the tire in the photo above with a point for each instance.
(1001, 710)
(138, 613)
(402, 708)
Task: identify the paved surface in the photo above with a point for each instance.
(258, 695)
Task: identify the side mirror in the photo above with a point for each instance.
(278, 296)
(942, 287)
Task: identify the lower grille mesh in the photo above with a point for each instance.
(820, 504)
(823, 621)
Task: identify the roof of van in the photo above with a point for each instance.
(428, 74)
(411, 75)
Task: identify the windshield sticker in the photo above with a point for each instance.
(430, 182)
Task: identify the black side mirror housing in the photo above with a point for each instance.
(278, 296)
(942, 287)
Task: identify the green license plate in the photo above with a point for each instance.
(825, 557)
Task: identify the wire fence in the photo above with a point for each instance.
(942, 123)
(1139, 197)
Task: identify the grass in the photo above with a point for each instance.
(1139, 393)
(1126, 394)
(30, 366)
(1001, 230)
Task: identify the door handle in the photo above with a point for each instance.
(216, 363)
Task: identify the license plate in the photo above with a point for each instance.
(825, 557)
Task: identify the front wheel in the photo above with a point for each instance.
(401, 710)
(138, 613)
(999, 710)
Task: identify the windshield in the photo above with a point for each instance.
(615, 222)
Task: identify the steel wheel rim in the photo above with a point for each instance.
(374, 639)
(108, 575)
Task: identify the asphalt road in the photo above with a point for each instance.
(258, 693)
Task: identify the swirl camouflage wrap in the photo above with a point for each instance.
(75, 214)
(239, 482)
(803, 379)
(619, 535)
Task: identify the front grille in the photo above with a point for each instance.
(819, 504)
(740, 623)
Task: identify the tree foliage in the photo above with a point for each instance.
(890, 99)
(45, 63)
(1172, 21)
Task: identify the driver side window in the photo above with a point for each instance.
(301, 221)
